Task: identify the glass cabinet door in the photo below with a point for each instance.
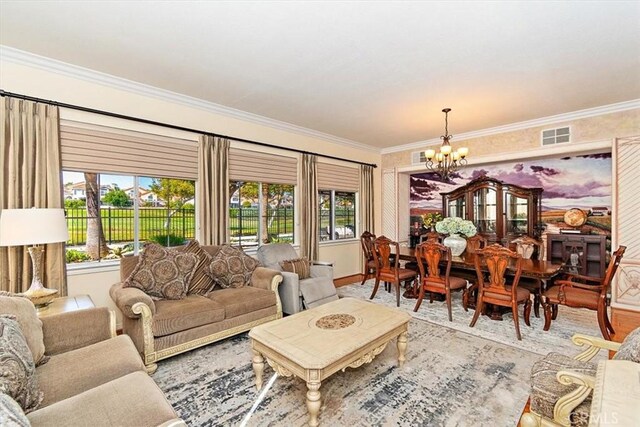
(457, 207)
(485, 210)
(516, 214)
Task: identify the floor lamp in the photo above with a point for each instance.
(35, 227)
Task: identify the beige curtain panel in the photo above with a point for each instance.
(31, 177)
(213, 190)
(366, 198)
(309, 241)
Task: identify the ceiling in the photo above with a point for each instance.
(378, 73)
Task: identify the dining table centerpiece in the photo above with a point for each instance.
(429, 220)
(454, 227)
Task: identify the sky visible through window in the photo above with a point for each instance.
(122, 181)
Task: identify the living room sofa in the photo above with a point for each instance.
(163, 328)
(92, 377)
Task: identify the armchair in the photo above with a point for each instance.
(561, 386)
(583, 292)
(297, 294)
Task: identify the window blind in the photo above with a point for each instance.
(338, 177)
(252, 166)
(102, 149)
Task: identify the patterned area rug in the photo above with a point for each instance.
(534, 339)
(450, 378)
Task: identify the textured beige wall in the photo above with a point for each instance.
(606, 126)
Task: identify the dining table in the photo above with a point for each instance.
(546, 271)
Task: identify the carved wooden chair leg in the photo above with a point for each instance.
(554, 311)
(536, 305)
(420, 298)
(375, 288)
(527, 312)
(365, 276)
(547, 315)
(430, 297)
(516, 320)
(397, 294)
(476, 314)
(465, 299)
(449, 306)
(608, 322)
(602, 323)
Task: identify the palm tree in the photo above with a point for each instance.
(96, 244)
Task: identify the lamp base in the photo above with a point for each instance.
(40, 296)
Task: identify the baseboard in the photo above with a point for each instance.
(347, 280)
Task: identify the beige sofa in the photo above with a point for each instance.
(164, 328)
(95, 377)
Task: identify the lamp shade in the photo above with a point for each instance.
(34, 226)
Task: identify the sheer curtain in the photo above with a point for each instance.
(366, 199)
(309, 242)
(30, 177)
(213, 190)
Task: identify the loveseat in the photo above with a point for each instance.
(87, 375)
(163, 328)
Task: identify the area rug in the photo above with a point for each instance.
(534, 339)
(450, 378)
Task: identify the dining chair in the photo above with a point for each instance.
(495, 290)
(369, 265)
(583, 292)
(387, 269)
(474, 243)
(429, 255)
(530, 248)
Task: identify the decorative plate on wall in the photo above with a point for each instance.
(575, 217)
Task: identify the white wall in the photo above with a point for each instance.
(62, 83)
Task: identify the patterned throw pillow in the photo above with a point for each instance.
(162, 273)
(630, 348)
(200, 283)
(18, 372)
(300, 266)
(23, 309)
(11, 414)
(232, 268)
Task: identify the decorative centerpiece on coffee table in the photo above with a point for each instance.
(454, 226)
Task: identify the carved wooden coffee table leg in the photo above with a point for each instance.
(402, 348)
(313, 402)
(258, 367)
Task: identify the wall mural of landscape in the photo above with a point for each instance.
(569, 182)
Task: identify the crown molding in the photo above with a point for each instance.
(575, 115)
(29, 59)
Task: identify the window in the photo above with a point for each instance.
(555, 136)
(110, 216)
(337, 215)
(261, 213)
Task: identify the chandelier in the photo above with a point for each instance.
(447, 161)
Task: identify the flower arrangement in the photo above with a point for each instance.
(431, 219)
(456, 225)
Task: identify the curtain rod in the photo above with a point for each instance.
(170, 126)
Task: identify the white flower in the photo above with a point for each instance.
(456, 225)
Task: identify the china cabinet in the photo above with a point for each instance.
(496, 208)
(584, 254)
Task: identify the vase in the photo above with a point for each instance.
(456, 243)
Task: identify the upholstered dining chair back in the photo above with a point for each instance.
(527, 247)
(382, 255)
(432, 236)
(429, 255)
(475, 243)
(366, 241)
(497, 258)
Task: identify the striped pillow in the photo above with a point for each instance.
(200, 282)
(300, 266)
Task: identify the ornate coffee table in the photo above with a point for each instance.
(316, 343)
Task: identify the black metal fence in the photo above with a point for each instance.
(118, 224)
(244, 224)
